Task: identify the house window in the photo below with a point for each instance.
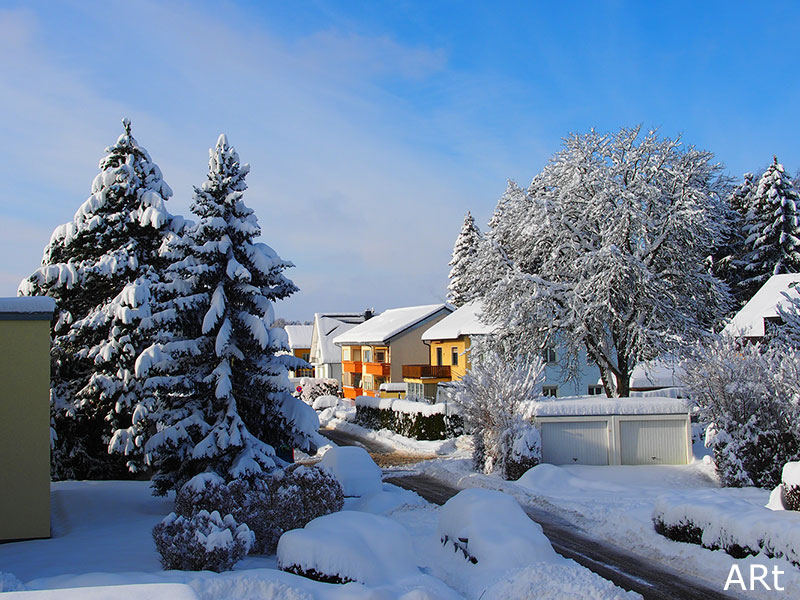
(454, 356)
(439, 356)
(306, 356)
(550, 390)
(346, 353)
(415, 390)
(367, 354)
(549, 356)
(380, 356)
(596, 390)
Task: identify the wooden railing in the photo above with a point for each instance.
(426, 372)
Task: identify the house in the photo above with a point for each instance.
(760, 313)
(25, 417)
(376, 351)
(300, 346)
(325, 356)
(449, 342)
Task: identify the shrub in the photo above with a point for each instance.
(747, 393)
(204, 541)
(416, 420)
(316, 388)
(791, 486)
(521, 447)
(269, 504)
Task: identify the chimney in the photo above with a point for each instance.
(369, 313)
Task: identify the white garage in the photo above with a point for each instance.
(589, 430)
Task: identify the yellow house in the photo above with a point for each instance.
(300, 347)
(448, 342)
(374, 352)
(25, 417)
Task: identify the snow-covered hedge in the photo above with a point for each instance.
(417, 420)
(268, 504)
(204, 541)
(722, 523)
(791, 486)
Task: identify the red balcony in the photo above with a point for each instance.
(351, 366)
(352, 392)
(379, 369)
(426, 372)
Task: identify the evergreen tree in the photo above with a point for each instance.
(465, 251)
(221, 399)
(98, 269)
(773, 230)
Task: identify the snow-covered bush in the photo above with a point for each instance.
(10, 583)
(491, 397)
(791, 485)
(748, 395)
(418, 420)
(354, 469)
(268, 504)
(203, 541)
(719, 522)
(316, 388)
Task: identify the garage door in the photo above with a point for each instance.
(661, 442)
(575, 442)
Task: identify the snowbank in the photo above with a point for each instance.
(350, 546)
(354, 469)
(548, 479)
(153, 591)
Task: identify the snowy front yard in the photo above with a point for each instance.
(102, 536)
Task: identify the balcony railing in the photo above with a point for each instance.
(426, 372)
(352, 392)
(351, 366)
(379, 369)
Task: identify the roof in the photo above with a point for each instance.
(388, 324)
(464, 321)
(584, 406)
(326, 327)
(27, 308)
(749, 322)
(299, 336)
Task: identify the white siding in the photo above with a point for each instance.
(575, 442)
(653, 442)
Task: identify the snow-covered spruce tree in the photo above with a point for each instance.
(492, 397)
(98, 268)
(747, 394)
(221, 399)
(788, 333)
(609, 255)
(465, 251)
(773, 229)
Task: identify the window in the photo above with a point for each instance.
(549, 356)
(596, 390)
(454, 356)
(367, 354)
(550, 390)
(380, 356)
(439, 356)
(415, 390)
(346, 353)
(306, 356)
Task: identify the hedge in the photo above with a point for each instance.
(412, 419)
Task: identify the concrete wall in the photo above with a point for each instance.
(24, 428)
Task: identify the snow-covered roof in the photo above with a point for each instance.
(657, 374)
(749, 322)
(584, 406)
(299, 336)
(27, 307)
(463, 321)
(326, 327)
(388, 324)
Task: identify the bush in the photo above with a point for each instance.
(521, 447)
(269, 504)
(316, 388)
(747, 393)
(791, 486)
(417, 420)
(204, 541)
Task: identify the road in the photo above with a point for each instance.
(384, 456)
(625, 569)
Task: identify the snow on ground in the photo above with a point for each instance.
(616, 503)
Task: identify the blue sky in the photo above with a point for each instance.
(371, 127)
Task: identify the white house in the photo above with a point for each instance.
(325, 356)
(755, 317)
(300, 346)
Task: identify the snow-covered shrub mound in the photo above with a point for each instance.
(314, 388)
(791, 485)
(733, 525)
(268, 503)
(567, 580)
(354, 469)
(389, 499)
(491, 529)
(521, 447)
(325, 401)
(204, 541)
(10, 583)
(546, 478)
(349, 546)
